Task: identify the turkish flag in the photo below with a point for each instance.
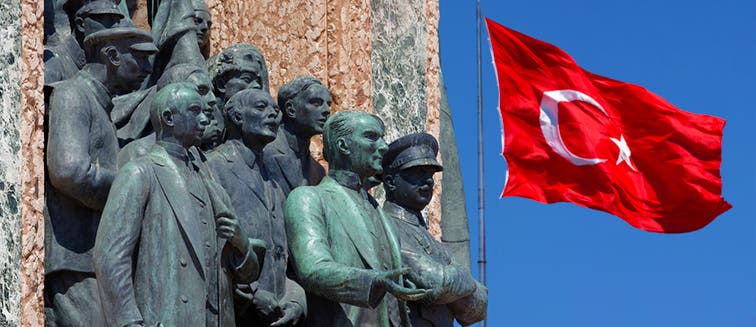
(570, 135)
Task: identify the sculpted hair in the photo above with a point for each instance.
(166, 99)
(178, 73)
(291, 89)
(340, 125)
(228, 62)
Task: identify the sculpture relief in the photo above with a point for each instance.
(180, 193)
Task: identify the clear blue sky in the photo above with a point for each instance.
(564, 265)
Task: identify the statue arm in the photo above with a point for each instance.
(69, 165)
(448, 282)
(295, 294)
(314, 264)
(117, 236)
(472, 308)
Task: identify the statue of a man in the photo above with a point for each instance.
(305, 104)
(253, 119)
(81, 166)
(345, 252)
(408, 169)
(170, 248)
(238, 67)
(66, 58)
(191, 73)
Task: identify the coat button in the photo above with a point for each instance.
(182, 261)
(184, 299)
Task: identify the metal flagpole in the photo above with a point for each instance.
(481, 200)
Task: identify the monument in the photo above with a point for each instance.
(355, 69)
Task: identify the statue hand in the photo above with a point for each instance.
(266, 305)
(292, 314)
(388, 280)
(228, 228)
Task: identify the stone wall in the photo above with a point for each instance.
(10, 159)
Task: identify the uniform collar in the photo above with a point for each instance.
(409, 216)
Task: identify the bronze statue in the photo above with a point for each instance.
(408, 169)
(81, 165)
(345, 252)
(238, 67)
(305, 104)
(170, 248)
(142, 123)
(64, 58)
(253, 119)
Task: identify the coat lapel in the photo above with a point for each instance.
(244, 173)
(174, 188)
(353, 221)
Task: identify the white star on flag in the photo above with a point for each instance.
(624, 151)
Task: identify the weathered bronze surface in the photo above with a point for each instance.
(179, 193)
(408, 169)
(170, 248)
(305, 104)
(81, 166)
(253, 119)
(345, 252)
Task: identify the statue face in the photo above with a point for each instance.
(249, 78)
(202, 24)
(132, 68)
(190, 119)
(366, 147)
(313, 106)
(202, 80)
(411, 188)
(93, 23)
(261, 119)
(214, 131)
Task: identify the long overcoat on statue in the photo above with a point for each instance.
(337, 254)
(259, 204)
(148, 225)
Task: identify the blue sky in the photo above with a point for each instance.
(564, 265)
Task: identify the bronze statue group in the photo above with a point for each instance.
(180, 193)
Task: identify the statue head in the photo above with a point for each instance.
(254, 117)
(353, 141)
(238, 67)
(202, 22)
(306, 104)
(96, 16)
(181, 114)
(408, 169)
(125, 52)
(197, 75)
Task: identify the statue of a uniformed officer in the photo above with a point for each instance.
(345, 252)
(81, 166)
(253, 119)
(408, 169)
(170, 249)
(305, 104)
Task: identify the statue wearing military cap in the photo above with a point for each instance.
(66, 57)
(81, 165)
(408, 169)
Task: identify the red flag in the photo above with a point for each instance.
(570, 135)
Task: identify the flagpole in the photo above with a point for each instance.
(481, 199)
